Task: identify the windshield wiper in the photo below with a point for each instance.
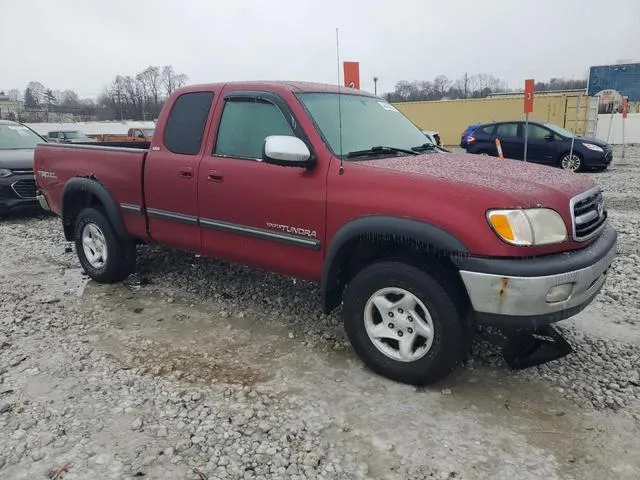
(424, 147)
(378, 150)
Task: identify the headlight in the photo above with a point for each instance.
(593, 147)
(4, 173)
(532, 226)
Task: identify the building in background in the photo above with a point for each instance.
(611, 82)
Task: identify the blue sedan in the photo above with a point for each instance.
(547, 144)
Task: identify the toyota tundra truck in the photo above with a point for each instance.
(419, 249)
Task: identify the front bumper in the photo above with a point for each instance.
(42, 200)
(17, 191)
(514, 293)
(598, 160)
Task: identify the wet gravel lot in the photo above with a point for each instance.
(196, 369)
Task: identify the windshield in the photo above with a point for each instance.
(366, 122)
(17, 137)
(74, 134)
(559, 130)
(148, 131)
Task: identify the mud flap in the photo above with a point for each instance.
(527, 348)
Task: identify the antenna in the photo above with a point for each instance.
(339, 102)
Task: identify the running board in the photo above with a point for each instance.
(528, 348)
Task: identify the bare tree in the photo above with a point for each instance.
(474, 86)
(172, 80)
(140, 96)
(34, 94)
(69, 99)
(441, 85)
(152, 79)
(14, 94)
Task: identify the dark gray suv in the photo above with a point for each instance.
(17, 181)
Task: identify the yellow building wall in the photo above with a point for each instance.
(451, 117)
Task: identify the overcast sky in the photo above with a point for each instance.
(83, 44)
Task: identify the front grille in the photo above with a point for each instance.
(25, 188)
(588, 214)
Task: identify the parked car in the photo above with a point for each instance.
(69, 136)
(467, 132)
(17, 182)
(434, 138)
(417, 246)
(547, 144)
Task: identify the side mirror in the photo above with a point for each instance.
(286, 151)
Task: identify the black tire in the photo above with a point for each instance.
(121, 254)
(453, 332)
(566, 155)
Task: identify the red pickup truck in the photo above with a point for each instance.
(336, 186)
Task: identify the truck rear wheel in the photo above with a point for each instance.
(104, 256)
(404, 324)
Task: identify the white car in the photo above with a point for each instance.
(434, 137)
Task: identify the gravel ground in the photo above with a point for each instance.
(194, 369)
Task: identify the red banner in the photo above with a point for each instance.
(529, 85)
(352, 74)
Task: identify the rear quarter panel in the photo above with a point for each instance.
(119, 170)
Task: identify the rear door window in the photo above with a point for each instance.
(487, 130)
(507, 130)
(185, 126)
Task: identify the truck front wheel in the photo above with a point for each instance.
(104, 256)
(404, 324)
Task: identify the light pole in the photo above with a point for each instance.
(375, 86)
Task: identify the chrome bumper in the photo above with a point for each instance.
(42, 200)
(528, 297)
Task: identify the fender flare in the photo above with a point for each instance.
(437, 240)
(93, 186)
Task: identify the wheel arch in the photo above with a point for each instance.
(81, 192)
(367, 239)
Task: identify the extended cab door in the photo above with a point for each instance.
(171, 172)
(255, 213)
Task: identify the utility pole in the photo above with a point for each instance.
(466, 82)
(375, 86)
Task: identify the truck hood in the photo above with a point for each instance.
(526, 182)
(16, 159)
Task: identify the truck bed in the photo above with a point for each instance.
(118, 166)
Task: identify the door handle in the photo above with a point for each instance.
(185, 172)
(215, 176)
